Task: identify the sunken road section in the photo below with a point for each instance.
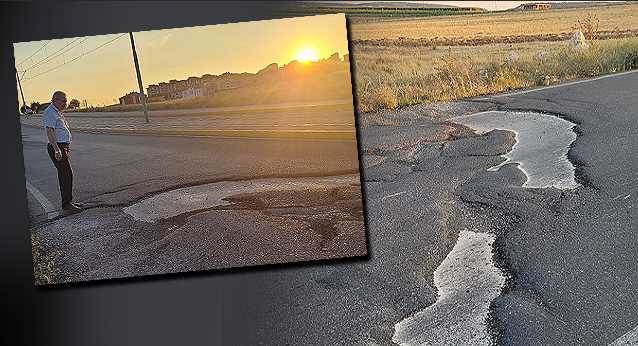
(218, 225)
(468, 280)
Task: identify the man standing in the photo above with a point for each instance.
(59, 136)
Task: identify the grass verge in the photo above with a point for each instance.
(43, 265)
(384, 82)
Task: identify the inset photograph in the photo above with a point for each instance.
(190, 149)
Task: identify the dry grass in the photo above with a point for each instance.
(402, 62)
(387, 78)
(589, 25)
(618, 17)
(43, 266)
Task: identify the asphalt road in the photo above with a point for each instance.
(215, 110)
(117, 169)
(572, 255)
(568, 255)
(333, 117)
(311, 209)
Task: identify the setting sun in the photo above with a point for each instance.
(307, 55)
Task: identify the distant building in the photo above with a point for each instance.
(153, 90)
(163, 89)
(155, 99)
(272, 68)
(192, 92)
(205, 85)
(131, 98)
(177, 89)
(334, 58)
(193, 82)
(536, 6)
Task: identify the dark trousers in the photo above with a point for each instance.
(65, 173)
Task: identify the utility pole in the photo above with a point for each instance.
(139, 77)
(24, 104)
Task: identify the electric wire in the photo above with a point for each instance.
(74, 59)
(34, 53)
(56, 54)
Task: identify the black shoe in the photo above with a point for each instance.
(78, 205)
(71, 209)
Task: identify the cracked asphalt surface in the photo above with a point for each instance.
(569, 255)
(572, 255)
(319, 221)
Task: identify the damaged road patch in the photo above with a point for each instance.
(542, 144)
(180, 201)
(467, 281)
(282, 220)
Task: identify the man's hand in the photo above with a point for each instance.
(56, 149)
(58, 154)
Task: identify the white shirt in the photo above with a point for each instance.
(53, 118)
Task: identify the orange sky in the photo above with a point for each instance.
(101, 75)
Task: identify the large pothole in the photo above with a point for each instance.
(468, 279)
(188, 199)
(542, 144)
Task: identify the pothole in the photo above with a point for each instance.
(627, 339)
(188, 199)
(458, 315)
(468, 279)
(542, 144)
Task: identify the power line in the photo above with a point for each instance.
(61, 51)
(34, 53)
(74, 59)
(54, 55)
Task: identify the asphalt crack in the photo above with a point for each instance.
(483, 204)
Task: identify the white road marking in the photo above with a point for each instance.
(467, 281)
(629, 338)
(486, 98)
(47, 206)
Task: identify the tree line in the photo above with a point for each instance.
(35, 106)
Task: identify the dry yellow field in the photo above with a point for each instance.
(390, 72)
(411, 61)
(617, 17)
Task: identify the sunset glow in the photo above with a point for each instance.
(307, 55)
(167, 54)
